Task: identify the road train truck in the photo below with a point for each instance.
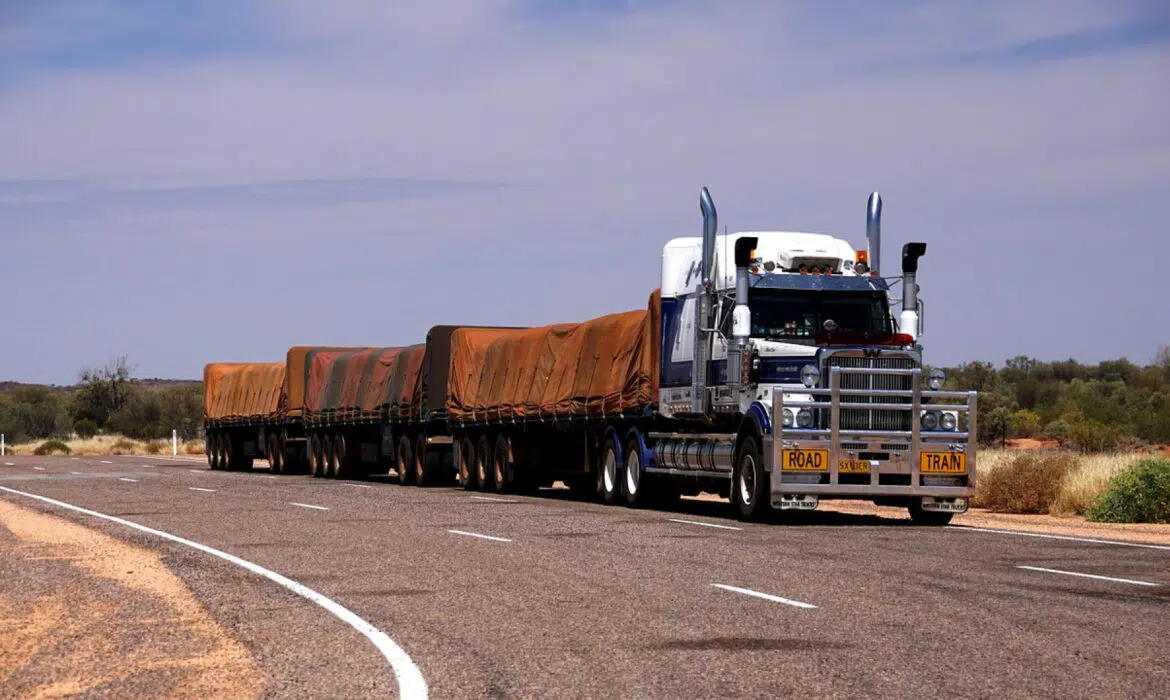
(768, 367)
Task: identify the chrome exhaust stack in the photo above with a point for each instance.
(873, 233)
(700, 400)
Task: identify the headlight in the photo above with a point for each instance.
(809, 376)
(949, 421)
(935, 380)
(929, 420)
(804, 418)
(787, 418)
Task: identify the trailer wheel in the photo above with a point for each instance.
(422, 475)
(405, 463)
(749, 487)
(323, 450)
(503, 471)
(213, 451)
(483, 462)
(610, 474)
(311, 446)
(634, 483)
(466, 462)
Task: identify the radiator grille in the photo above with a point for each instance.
(876, 419)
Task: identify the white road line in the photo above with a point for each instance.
(696, 522)
(358, 486)
(1099, 578)
(10, 464)
(106, 461)
(125, 479)
(411, 684)
(267, 476)
(476, 534)
(75, 459)
(765, 596)
(148, 466)
(196, 488)
(77, 473)
(40, 469)
(960, 528)
(495, 500)
(306, 505)
(196, 471)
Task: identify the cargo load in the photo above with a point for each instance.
(243, 392)
(365, 384)
(603, 366)
(297, 375)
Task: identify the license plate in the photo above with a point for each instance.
(852, 466)
(805, 460)
(942, 462)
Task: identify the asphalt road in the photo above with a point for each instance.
(575, 599)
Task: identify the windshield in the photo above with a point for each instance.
(800, 315)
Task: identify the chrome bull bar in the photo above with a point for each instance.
(893, 459)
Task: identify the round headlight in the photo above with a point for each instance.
(930, 420)
(935, 379)
(949, 421)
(804, 418)
(809, 376)
(787, 418)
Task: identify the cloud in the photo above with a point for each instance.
(326, 143)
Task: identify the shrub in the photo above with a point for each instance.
(1140, 494)
(1027, 483)
(1057, 430)
(1094, 436)
(154, 447)
(1084, 483)
(193, 447)
(85, 428)
(49, 447)
(1025, 424)
(123, 447)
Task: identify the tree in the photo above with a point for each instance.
(996, 425)
(1025, 423)
(104, 391)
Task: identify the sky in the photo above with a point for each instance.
(199, 181)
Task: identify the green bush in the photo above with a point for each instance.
(1140, 494)
(85, 428)
(1029, 483)
(49, 447)
(1094, 436)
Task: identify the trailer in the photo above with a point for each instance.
(769, 367)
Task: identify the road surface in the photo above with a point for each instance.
(511, 596)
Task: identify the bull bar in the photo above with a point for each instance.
(899, 473)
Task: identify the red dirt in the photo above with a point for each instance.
(1031, 444)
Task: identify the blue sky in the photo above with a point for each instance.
(191, 181)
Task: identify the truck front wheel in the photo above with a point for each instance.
(928, 517)
(749, 488)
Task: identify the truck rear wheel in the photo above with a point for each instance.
(483, 462)
(466, 464)
(422, 475)
(610, 473)
(314, 448)
(405, 463)
(277, 451)
(633, 483)
(326, 455)
(216, 453)
(749, 488)
(502, 467)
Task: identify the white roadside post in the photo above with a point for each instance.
(174, 443)
(1, 444)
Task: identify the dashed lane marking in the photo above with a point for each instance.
(476, 534)
(696, 522)
(1092, 576)
(765, 596)
(307, 505)
(196, 488)
(1090, 540)
(135, 481)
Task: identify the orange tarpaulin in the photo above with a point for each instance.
(297, 375)
(362, 383)
(598, 367)
(243, 391)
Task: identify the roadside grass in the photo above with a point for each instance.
(1140, 494)
(1056, 482)
(106, 445)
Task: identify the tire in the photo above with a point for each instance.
(216, 454)
(634, 482)
(313, 445)
(404, 462)
(338, 465)
(610, 474)
(502, 468)
(326, 455)
(927, 517)
(466, 475)
(750, 492)
(483, 463)
(282, 454)
(422, 475)
(277, 458)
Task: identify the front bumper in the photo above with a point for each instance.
(873, 464)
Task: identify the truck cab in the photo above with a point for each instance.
(795, 340)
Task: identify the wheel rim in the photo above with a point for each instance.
(464, 465)
(633, 473)
(501, 458)
(481, 463)
(420, 460)
(403, 463)
(610, 471)
(747, 480)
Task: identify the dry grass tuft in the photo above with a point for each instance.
(193, 447)
(106, 445)
(154, 447)
(1027, 482)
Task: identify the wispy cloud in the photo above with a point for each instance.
(364, 144)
